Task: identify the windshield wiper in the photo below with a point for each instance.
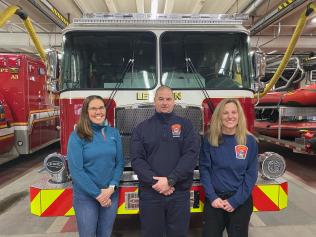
(129, 64)
(196, 74)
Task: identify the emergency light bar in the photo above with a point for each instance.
(170, 19)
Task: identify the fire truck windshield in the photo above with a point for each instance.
(208, 60)
(108, 60)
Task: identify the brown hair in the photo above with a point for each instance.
(215, 131)
(83, 128)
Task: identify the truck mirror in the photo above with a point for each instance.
(259, 64)
(2, 113)
(258, 61)
(52, 65)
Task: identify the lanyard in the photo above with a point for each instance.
(103, 134)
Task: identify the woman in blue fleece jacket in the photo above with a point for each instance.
(228, 170)
(96, 164)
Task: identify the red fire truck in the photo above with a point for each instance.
(28, 116)
(124, 58)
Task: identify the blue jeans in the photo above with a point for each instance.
(93, 220)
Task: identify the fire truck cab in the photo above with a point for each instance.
(28, 116)
(124, 58)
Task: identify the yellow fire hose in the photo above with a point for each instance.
(9, 12)
(289, 51)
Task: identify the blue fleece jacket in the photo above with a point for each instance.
(97, 164)
(165, 145)
(229, 167)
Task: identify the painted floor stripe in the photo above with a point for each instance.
(256, 221)
(298, 181)
(71, 225)
(57, 225)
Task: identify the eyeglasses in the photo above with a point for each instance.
(94, 109)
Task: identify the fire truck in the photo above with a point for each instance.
(28, 115)
(124, 58)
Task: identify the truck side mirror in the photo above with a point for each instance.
(259, 66)
(52, 64)
(2, 113)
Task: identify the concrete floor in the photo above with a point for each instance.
(299, 219)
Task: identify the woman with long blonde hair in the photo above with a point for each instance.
(228, 170)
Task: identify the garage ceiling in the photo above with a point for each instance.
(272, 34)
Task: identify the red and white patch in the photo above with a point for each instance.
(176, 130)
(241, 151)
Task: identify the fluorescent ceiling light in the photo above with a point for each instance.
(154, 8)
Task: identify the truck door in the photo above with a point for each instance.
(6, 130)
(49, 120)
(35, 101)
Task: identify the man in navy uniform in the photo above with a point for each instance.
(164, 152)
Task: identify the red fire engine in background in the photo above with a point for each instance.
(29, 115)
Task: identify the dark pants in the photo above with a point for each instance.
(236, 222)
(164, 215)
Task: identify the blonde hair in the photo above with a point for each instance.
(215, 129)
(83, 127)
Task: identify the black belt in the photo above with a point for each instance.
(225, 195)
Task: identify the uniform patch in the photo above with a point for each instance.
(176, 130)
(241, 151)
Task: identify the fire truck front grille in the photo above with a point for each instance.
(126, 119)
(194, 114)
(125, 144)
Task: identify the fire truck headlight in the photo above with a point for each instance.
(56, 165)
(271, 165)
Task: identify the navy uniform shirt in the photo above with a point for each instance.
(165, 145)
(229, 168)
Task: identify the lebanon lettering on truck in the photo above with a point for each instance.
(124, 58)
